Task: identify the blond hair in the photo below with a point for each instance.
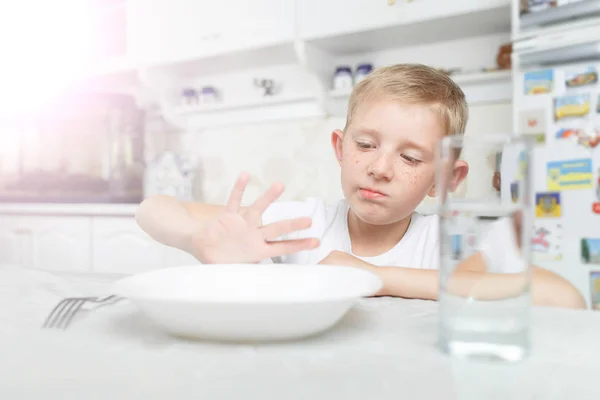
(414, 84)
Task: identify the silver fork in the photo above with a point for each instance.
(62, 315)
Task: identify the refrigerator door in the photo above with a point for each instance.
(557, 93)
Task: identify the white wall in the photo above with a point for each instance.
(295, 152)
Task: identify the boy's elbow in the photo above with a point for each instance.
(555, 291)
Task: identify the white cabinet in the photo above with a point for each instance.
(317, 19)
(58, 243)
(120, 246)
(165, 31)
(11, 251)
(45, 242)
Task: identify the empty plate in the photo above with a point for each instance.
(248, 302)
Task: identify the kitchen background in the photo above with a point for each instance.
(138, 97)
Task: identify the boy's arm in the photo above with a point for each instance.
(548, 289)
(230, 233)
(171, 221)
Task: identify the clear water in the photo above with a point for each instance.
(493, 330)
(474, 327)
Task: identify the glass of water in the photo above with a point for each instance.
(485, 275)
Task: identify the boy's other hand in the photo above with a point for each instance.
(238, 236)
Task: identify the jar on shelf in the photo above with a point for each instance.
(342, 79)
(362, 71)
(208, 95)
(189, 96)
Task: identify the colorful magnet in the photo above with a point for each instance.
(570, 174)
(596, 205)
(533, 123)
(578, 78)
(564, 133)
(514, 192)
(538, 82)
(571, 106)
(590, 251)
(589, 138)
(595, 289)
(547, 205)
(546, 241)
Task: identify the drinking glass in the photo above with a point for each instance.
(485, 276)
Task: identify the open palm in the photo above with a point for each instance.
(238, 236)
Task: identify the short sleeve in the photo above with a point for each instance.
(313, 208)
(499, 248)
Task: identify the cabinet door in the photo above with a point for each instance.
(11, 233)
(318, 18)
(120, 246)
(58, 243)
(422, 10)
(164, 31)
(335, 17)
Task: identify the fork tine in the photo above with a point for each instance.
(65, 311)
(70, 313)
(56, 311)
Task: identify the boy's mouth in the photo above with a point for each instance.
(371, 193)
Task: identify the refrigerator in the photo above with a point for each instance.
(556, 101)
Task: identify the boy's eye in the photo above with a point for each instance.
(410, 160)
(364, 145)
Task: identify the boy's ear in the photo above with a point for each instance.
(459, 173)
(337, 137)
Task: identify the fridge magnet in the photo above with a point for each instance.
(569, 174)
(546, 241)
(571, 106)
(547, 205)
(595, 290)
(521, 165)
(589, 138)
(514, 192)
(596, 205)
(538, 82)
(590, 251)
(581, 77)
(567, 133)
(533, 123)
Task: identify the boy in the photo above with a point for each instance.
(396, 116)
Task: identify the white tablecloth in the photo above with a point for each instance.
(383, 349)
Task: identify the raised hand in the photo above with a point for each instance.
(238, 236)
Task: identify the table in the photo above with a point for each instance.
(383, 349)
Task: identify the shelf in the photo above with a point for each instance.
(581, 9)
(238, 113)
(479, 88)
(565, 54)
(477, 23)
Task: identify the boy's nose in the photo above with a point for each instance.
(382, 167)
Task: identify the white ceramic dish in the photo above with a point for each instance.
(248, 302)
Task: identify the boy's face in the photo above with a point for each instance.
(387, 157)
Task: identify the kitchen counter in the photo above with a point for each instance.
(87, 209)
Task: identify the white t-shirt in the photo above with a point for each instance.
(418, 248)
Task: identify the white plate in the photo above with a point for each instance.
(248, 302)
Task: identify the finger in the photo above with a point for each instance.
(283, 247)
(235, 197)
(264, 201)
(279, 228)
